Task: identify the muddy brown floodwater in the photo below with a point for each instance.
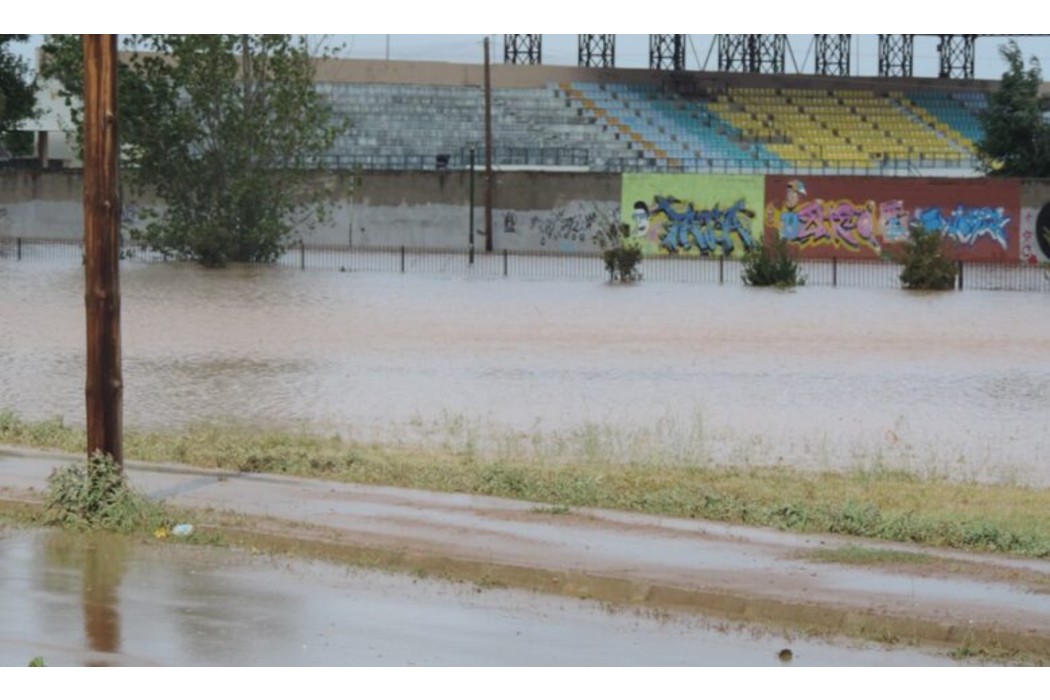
(953, 383)
(77, 600)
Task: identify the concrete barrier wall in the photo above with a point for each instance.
(862, 217)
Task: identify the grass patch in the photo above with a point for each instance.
(880, 503)
(867, 556)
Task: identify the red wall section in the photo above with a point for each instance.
(866, 217)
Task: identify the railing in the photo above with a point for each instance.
(464, 262)
(582, 159)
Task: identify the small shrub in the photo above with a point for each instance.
(621, 254)
(771, 265)
(926, 260)
(97, 495)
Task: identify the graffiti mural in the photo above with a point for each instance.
(700, 215)
(824, 214)
(966, 224)
(1035, 234)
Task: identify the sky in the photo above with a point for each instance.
(632, 50)
(436, 31)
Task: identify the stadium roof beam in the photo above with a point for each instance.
(523, 49)
(597, 50)
(896, 55)
(751, 53)
(667, 52)
(832, 54)
(956, 52)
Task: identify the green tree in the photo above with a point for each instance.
(224, 130)
(1016, 140)
(17, 96)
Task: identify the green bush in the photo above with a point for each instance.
(622, 263)
(771, 265)
(926, 260)
(97, 495)
(621, 254)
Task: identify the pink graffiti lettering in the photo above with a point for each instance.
(838, 223)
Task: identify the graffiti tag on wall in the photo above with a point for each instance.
(966, 224)
(852, 225)
(679, 226)
(569, 228)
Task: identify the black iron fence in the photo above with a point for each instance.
(464, 262)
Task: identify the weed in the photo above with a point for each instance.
(552, 510)
(37, 662)
(622, 256)
(96, 494)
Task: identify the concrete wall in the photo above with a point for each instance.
(531, 211)
(860, 217)
(864, 217)
(1035, 221)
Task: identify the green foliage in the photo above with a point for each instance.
(223, 129)
(37, 662)
(96, 495)
(623, 255)
(926, 260)
(17, 97)
(771, 265)
(1016, 141)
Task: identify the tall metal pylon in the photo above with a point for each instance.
(896, 55)
(523, 48)
(832, 54)
(956, 52)
(597, 50)
(667, 52)
(752, 53)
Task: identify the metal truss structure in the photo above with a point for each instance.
(956, 52)
(896, 55)
(832, 54)
(751, 53)
(523, 49)
(667, 52)
(597, 50)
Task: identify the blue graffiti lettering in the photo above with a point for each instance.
(707, 229)
(967, 224)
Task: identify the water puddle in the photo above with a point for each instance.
(100, 600)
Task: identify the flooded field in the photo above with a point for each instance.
(952, 383)
(76, 600)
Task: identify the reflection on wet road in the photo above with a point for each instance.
(78, 600)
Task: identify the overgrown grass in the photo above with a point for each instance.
(880, 503)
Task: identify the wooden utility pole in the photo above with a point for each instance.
(105, 386)
(489, 180)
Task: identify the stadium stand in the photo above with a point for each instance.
(726, 126)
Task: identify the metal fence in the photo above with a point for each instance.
(464, 262)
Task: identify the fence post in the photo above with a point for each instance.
(960, 265)
(402, 259)
(834, 272)
(504, 262)
(302, 255)
(19, 248)
(721, 268)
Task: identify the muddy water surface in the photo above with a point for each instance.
(957, 383)
(74, 600)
